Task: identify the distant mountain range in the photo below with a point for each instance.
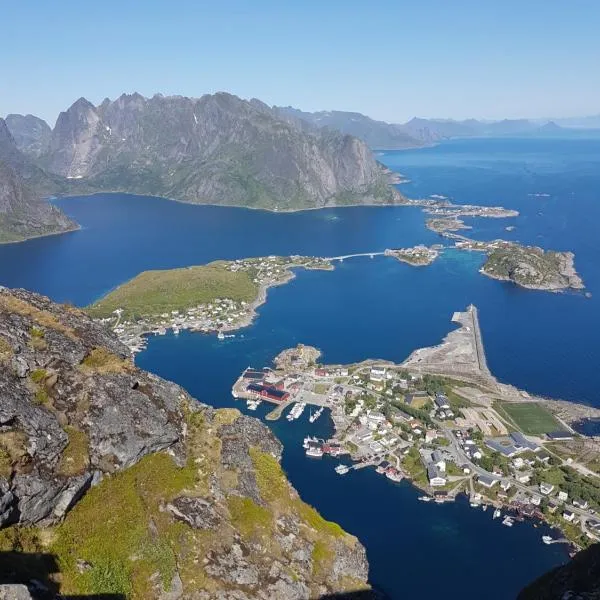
(420, 132)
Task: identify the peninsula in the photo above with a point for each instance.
(443, 421)
(215, 298)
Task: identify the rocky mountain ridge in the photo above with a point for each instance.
(214, 149)
(23, 213)
(135, 488)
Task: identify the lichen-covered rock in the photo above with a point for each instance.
(140, 489)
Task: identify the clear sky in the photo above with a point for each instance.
(390, 59)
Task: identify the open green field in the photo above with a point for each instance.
(530, 417)
(155, 292)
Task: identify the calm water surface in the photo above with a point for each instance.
(545, 343)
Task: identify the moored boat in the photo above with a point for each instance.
(342, 469)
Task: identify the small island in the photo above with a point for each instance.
(443, 224)
(215, 298)
(532, 267)
(417, 256)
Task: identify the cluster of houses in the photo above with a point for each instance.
(442, 407)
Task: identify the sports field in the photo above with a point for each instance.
(531, 417)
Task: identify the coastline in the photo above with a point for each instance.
(43, 235)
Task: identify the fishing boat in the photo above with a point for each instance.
(508, 521)
(425, 498)
(314, 416)
(497, 513)
(314, 449)
(342, 469)
(547, 539)
(307, 440)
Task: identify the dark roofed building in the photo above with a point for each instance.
(521, 442)
(560, 434)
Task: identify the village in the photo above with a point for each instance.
(407, 423)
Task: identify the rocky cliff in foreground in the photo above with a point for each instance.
(124, 484)
(215, 149)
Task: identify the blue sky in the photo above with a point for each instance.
(389, 59)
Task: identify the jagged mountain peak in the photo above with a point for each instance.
(218, 148)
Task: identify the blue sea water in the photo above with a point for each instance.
(545, 343)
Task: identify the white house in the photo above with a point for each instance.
(568, 516)
(546, 488)
(430, 435)
(518, 463)
(563, 496)
(377, 374)
(486, 481)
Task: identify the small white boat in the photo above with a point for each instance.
(508, 521)
(342, 469)
(425, 498)
(547, 539)
(484, 507)
(497, 513)
(314, 416)
(475, 504)
(221, 335)
(176, 330)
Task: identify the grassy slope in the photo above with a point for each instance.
(119, 535)
(156, 292)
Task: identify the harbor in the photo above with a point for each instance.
(439, 420)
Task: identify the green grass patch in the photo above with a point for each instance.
(532, 418)
(75, 457)
(155, 292)
(110, 529)
(38, 375)
(314, 520)
(270, 477)
(248, 517)
(101, 360)
(322, 557)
